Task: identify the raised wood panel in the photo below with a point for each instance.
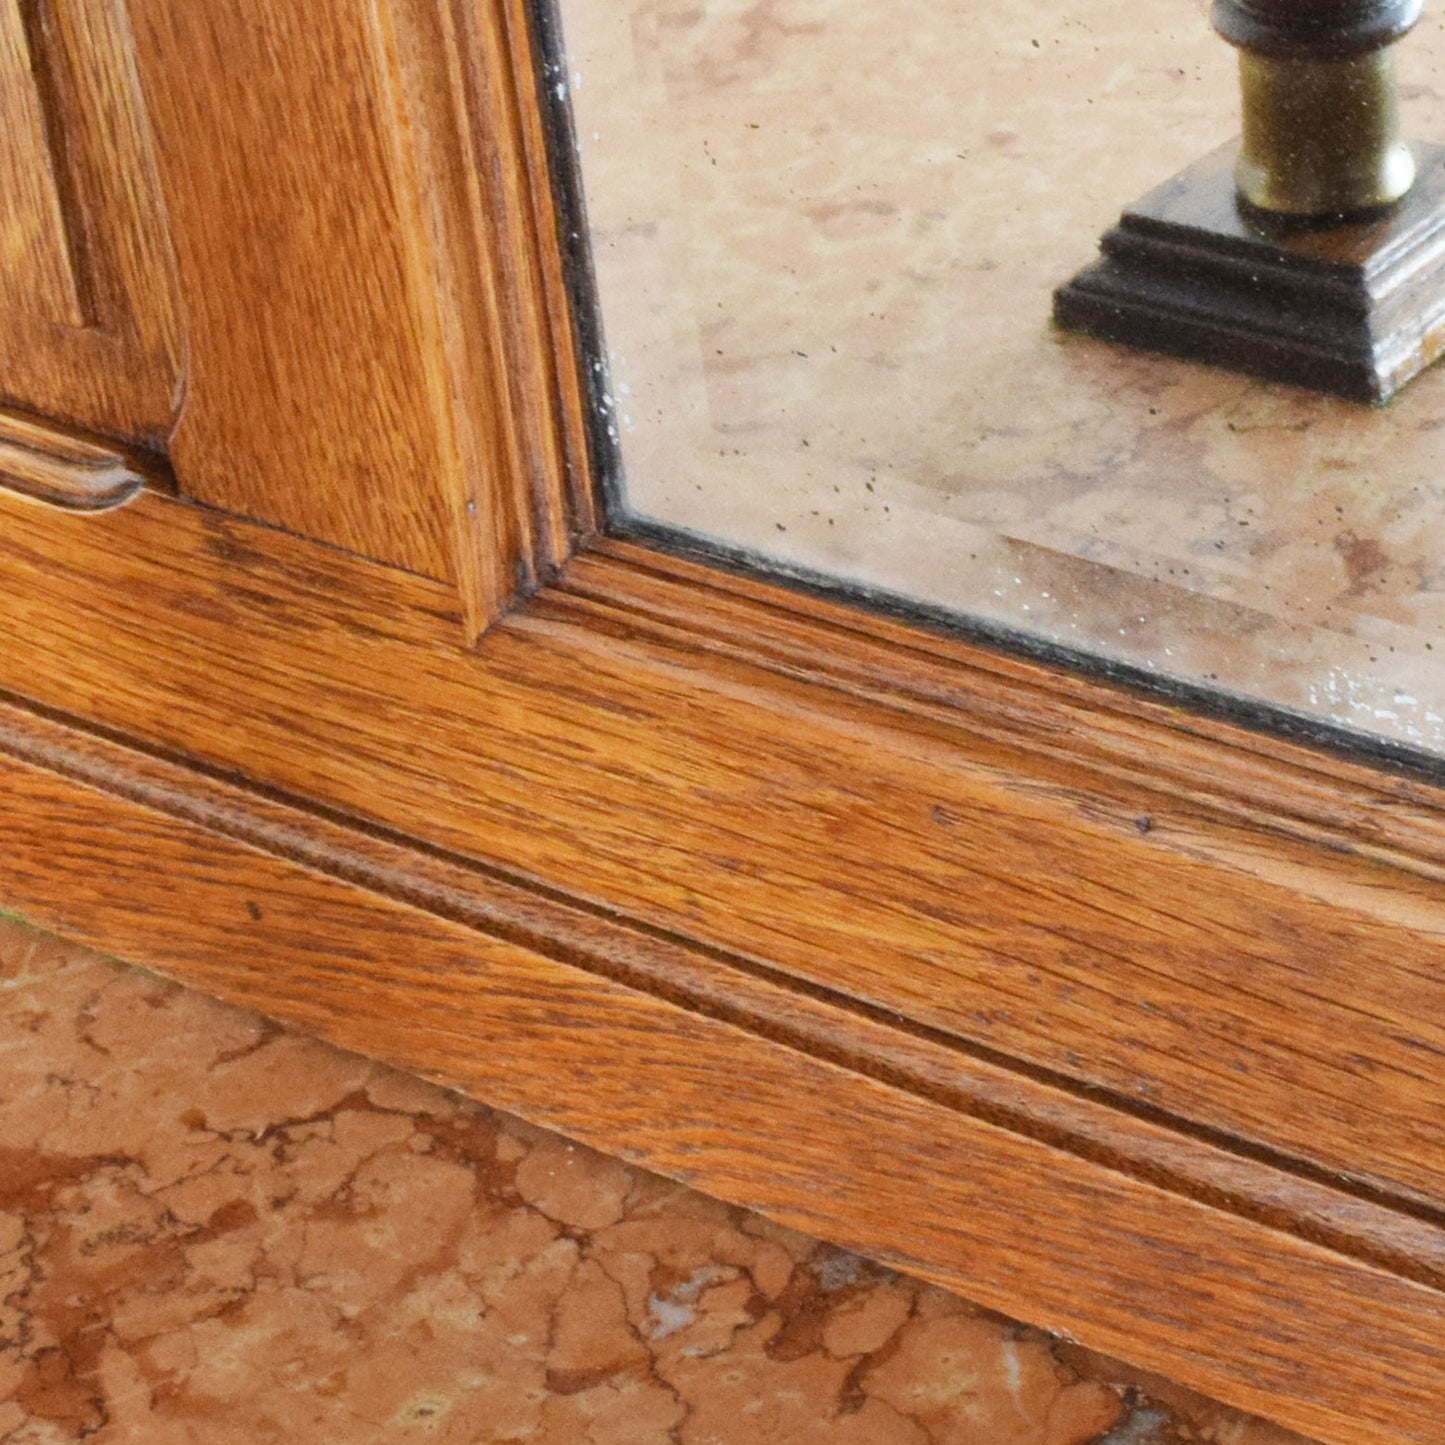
(367, 363)
(37, 267)
(305, 356)
(425, 963)
(88, 329)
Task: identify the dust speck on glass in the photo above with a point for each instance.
(823, 236)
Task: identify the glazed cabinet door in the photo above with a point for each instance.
(1092, 1007)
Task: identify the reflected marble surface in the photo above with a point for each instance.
(826, 234)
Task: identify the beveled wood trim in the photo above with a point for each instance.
(1235, 974)
(1250, 776)
(739, 1084)
(485, 260)
(747, 994)
(529, 76)
(501, 74)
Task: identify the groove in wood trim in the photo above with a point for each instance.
(52, 111)
(1234, 1176)
(522, 22)
(564, 753)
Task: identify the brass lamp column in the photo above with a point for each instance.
(1321, 113)
(1306, 252)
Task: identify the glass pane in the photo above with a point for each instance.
(825, 234)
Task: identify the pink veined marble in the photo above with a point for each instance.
(825, 235)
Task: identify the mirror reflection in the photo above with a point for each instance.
(825, 236)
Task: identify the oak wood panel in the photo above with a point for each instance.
(37, 269)
(367, 362)
(303, 354)
(102, 352)
(477, 254)
(769, 891)
(496, 72)
(378, 949)
(515, 36)
(1255, 985)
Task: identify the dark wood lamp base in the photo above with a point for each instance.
(1354, 308)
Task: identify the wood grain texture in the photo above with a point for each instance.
(517, 41)
(494, 75)
(437, 967)
(95, 342)
(1271, 786)
(37, 268)
(1224, 971)
(366, 364)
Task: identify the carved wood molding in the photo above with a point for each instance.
(1165, 755)
(64, 470)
